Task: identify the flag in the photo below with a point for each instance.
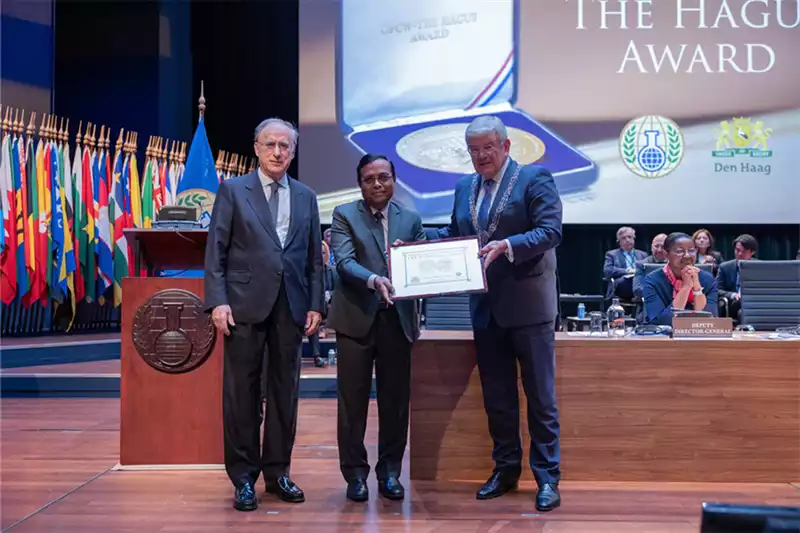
(21, 191)
(121, 217)
(104, 244)
(41, 224)
(198, 186)
(135, 196)
(8, 259)
(31, 237)
(147, 193)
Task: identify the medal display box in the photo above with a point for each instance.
(412, 74)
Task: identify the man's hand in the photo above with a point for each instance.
(385, 288)
(492, 251)
(397, 242)
(313, 321)
(222, 316)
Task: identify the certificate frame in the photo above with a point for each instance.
(473, 279)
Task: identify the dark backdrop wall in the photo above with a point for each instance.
(139, 64)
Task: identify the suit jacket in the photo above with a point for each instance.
(245, 263)
(638, 276)
(615, 267)
(356, 238)
(727, 276)
(524, 292)
(657, 292)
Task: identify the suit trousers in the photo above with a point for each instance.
(387, 347)
(498, 351)
(241, 394)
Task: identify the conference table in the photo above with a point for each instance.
(630, 409)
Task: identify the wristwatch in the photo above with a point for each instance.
(697, 292)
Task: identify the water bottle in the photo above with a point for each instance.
(331, 357)
(616, 319)
(581, 310)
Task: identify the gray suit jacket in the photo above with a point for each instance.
(245, 263)
(355, 238)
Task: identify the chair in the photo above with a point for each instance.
(722, 302)
(447, 312)
(770, 294)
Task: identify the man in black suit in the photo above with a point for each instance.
(515, 210)
(658, 255)
(371, 328)
(744, 248)
(263, 281)
(619, 266)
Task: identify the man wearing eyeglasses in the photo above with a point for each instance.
(372, 329)
(263, 283)
(515, 210)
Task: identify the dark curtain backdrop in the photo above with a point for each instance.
(246, 52)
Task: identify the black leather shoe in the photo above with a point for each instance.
(547, 497)
(391, 488)
(357, 490)
(244, 499)
(286, 490)
(497, 485)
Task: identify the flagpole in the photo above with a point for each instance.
(201, 102)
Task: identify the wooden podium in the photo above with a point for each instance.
(171, 386)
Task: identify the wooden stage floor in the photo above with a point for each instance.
(58, 459)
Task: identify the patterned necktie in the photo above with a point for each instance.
(486, 203)
(273, 202)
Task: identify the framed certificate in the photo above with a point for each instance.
(433, 268)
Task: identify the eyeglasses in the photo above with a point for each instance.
(680, 252)
(475, 151)
(370, 180)
(270, 145)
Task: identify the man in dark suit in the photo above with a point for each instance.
(619, 266)
(372, 329)
(263, 280)
(658, 255)
(744, 248)
(516, 212)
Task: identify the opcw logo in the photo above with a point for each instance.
(741, 138)
(651, 146)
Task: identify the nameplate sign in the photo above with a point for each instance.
(683, 327)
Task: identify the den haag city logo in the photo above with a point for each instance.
(653, 146)
(741, 138)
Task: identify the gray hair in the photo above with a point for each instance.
(276, 120)
(623, 229)
(487, 124)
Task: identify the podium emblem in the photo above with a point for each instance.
(172, 333)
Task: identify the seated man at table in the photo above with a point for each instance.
(679, 285)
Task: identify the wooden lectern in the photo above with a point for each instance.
(171, 387)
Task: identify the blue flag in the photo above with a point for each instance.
(199, 184)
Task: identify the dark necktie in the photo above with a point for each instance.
(486, 203)
(273, 202)
(379, 219)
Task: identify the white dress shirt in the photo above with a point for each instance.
(284, 203)
(498, 180)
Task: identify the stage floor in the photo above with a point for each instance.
(59, 454)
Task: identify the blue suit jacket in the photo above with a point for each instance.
(245, 263)
(657, 293)
(524, 292)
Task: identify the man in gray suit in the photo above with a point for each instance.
(263, 281)
(372, 329)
